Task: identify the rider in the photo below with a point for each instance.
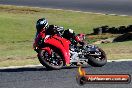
(44, 31)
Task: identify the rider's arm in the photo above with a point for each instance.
(38, 40)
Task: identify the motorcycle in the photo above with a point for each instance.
(57, 51)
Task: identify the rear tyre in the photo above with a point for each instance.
(98, 61)
(52, 62)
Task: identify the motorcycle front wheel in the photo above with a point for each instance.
(53, 61)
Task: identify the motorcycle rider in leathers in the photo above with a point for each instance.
(44, 31)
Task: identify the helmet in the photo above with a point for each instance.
(41, 23)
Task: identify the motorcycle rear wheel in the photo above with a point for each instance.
(95, 61)
(53, 63)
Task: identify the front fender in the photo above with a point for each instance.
(48, 49)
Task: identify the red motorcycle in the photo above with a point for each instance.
(56, 51)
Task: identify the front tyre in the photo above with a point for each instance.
(53, 61)
(98, 61)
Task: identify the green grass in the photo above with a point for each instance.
(17, 30)
(120, 50)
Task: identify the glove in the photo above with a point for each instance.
(36, 49)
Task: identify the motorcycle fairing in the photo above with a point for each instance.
(62, 44)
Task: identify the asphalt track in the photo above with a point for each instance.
(120, 7)
(39, 77)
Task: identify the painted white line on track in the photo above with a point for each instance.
(30, 66)
(26, 66)
(119, 60)
(78, 11)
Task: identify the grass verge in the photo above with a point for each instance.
(17, 30)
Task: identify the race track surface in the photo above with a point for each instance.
(120, 7)
(39, 77)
